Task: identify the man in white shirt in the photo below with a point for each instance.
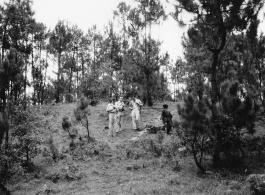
(112, 110)
(120, 107)
(136, 105)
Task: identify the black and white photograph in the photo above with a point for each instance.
(132, 97)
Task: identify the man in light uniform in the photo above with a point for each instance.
(136, 108)
(120, 107)
(111, 109)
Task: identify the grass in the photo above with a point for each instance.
(104, 165)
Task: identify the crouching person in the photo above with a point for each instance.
(111, 109)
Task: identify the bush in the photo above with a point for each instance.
(82, 103)
(3, 127)
(22, 143)
(165, 150)
(82, 112)
(66, 125)
(55, 154)
(255, 146)
(78, 114)
(26, 141)
(257, 183)
(214, 131)
(69, 98)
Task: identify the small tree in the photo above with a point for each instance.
(26, 147)
(66, 124)
(196, 124)
(206, 136)
(82, 112)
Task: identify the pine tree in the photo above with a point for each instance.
(213, 22)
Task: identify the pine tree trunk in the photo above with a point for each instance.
(217, 150)
(71, 78)
(25, 81)
(148, 91)
(87, 128)
(214, 96)
(194, 152)
(58, 78)
(83, 72)
(77, 73)
(3, 38)
(44, 81)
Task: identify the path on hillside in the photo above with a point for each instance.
(98, 121)
(83, 172)
(149, 116)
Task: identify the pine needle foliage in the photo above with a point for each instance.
(222, 136)
(82, 112)
(66, 125)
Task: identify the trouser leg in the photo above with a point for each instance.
(113, 125)
(110, 125)
(112, 120)
(119, 121)
(137, 119)
(168, 128)
(134, 120)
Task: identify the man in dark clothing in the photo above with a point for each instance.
(166, 118)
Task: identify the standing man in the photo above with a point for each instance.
(136, 105)
(166, 118)
(111, 109)
(120, 107)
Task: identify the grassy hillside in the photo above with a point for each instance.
(131, 163)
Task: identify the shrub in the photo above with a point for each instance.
(212, 134)
(3, 127)
(21, 145)
(82, 112)
(82, 103)
(78, 114)
(66, 125)
(165, 150)
(257, 183)
(26, 141)
(94, 102)
(53, 150)
(255, 146)
(69, 98)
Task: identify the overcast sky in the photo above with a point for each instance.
(86, 13)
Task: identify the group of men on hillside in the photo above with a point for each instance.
(116, 112)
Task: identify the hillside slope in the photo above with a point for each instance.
(110, 165)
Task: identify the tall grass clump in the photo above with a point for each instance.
(81, 113)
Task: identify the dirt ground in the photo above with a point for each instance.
(106, 171)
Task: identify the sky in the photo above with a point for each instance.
(86, 13)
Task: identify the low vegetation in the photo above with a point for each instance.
(54, 141)
(154, 163)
